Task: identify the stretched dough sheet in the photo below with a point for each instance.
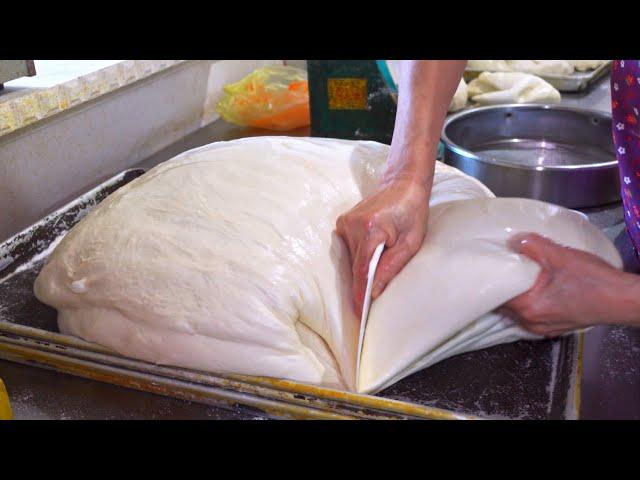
(226, 259)
(464, 271)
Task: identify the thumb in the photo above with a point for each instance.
(393, 260)
(538, 248)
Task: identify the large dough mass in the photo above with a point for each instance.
(225, 259)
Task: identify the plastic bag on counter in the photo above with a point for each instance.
(274, 98)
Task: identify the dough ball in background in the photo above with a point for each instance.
(494, 88)
(460, 98)
(534, 67)
(489, 65)
(584, 65)
(541, 67)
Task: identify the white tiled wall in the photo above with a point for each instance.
(53, 160)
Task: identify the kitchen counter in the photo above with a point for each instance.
(610, 383)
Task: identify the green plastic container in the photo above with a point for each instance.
(353, 100)
(350, 99)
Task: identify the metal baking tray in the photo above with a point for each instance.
(576, 82)
(559, 154)
(526, 380)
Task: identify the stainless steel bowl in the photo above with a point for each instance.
(558, 154)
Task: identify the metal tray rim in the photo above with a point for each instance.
(517, 106)
(43, 346)
(57, 212)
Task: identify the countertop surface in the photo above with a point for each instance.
(611, 368)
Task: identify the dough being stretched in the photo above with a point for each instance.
(225, 259)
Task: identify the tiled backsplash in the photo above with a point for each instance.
(23, 110)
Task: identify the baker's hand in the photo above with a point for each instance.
(395, 214)
(574, 290)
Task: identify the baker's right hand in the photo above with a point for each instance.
(395, 214)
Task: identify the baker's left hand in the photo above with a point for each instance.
(395, 214)
(574, 290)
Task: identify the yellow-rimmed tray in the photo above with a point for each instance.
(5, 407)
(534, 380)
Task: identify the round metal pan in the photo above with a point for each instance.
(558, 154)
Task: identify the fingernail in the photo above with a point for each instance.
(377, 290)
(517, 241)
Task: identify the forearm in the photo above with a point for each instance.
(425, 88)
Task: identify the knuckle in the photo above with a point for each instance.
(413, 241)
(343, 223)
(529, 307)
(373, 220)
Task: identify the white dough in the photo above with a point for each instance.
(459, 100)
(492, 88)
(584, 65)
(541, 67)
(534, 67)
(225, 259)
(489, 65)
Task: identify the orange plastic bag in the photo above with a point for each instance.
(274, 98)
